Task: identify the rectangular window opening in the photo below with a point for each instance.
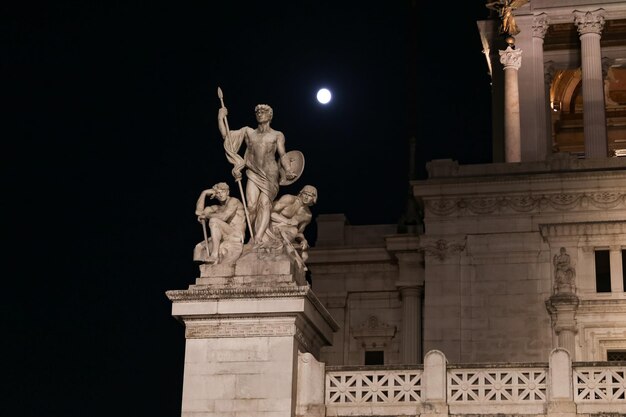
(374, 357)
(616, 355)
(603, 271)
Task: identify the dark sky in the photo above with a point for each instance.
(110, 135)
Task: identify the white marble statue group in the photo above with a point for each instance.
(275, 224)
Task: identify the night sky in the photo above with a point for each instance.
(110, 135)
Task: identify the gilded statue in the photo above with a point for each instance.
(505, 12)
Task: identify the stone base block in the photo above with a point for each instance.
(253, 269)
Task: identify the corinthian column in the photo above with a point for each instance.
(543, 137)
(590, 25)
(511, 59)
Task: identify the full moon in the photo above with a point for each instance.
(323, 95)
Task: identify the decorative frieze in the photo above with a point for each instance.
(605, 200)
(239, 328)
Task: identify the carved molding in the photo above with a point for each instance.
(441, 249)
(244, 326)
(605, 200)
(201, 294)
(597, 338)
(247, 293)
(247, 328)
(374, 333)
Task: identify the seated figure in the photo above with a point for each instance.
(226, 222)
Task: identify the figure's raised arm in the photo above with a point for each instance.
(200, 204)
(221, 121)
(304, 219)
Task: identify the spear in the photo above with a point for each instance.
(206, 239)
(220, 95)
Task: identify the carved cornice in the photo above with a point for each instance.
(202, 294)
(212, 295)
(562, 309)
(511, 58)
(526, 203)
(540, 25)
(589, 22)
(566, 301)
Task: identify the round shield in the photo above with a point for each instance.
(292, 162)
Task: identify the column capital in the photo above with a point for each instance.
(540, 25)
(589, 21)
(407, 288)
(511, 58)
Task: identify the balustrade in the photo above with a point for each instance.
(477, 389)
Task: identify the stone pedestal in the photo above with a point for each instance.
(561, 399)
(245, 325)
(562, 308)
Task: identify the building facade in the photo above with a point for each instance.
(513, 259)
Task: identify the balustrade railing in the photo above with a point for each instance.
(514, 388)
(600, 384)
(373, 387)
(484, 386)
